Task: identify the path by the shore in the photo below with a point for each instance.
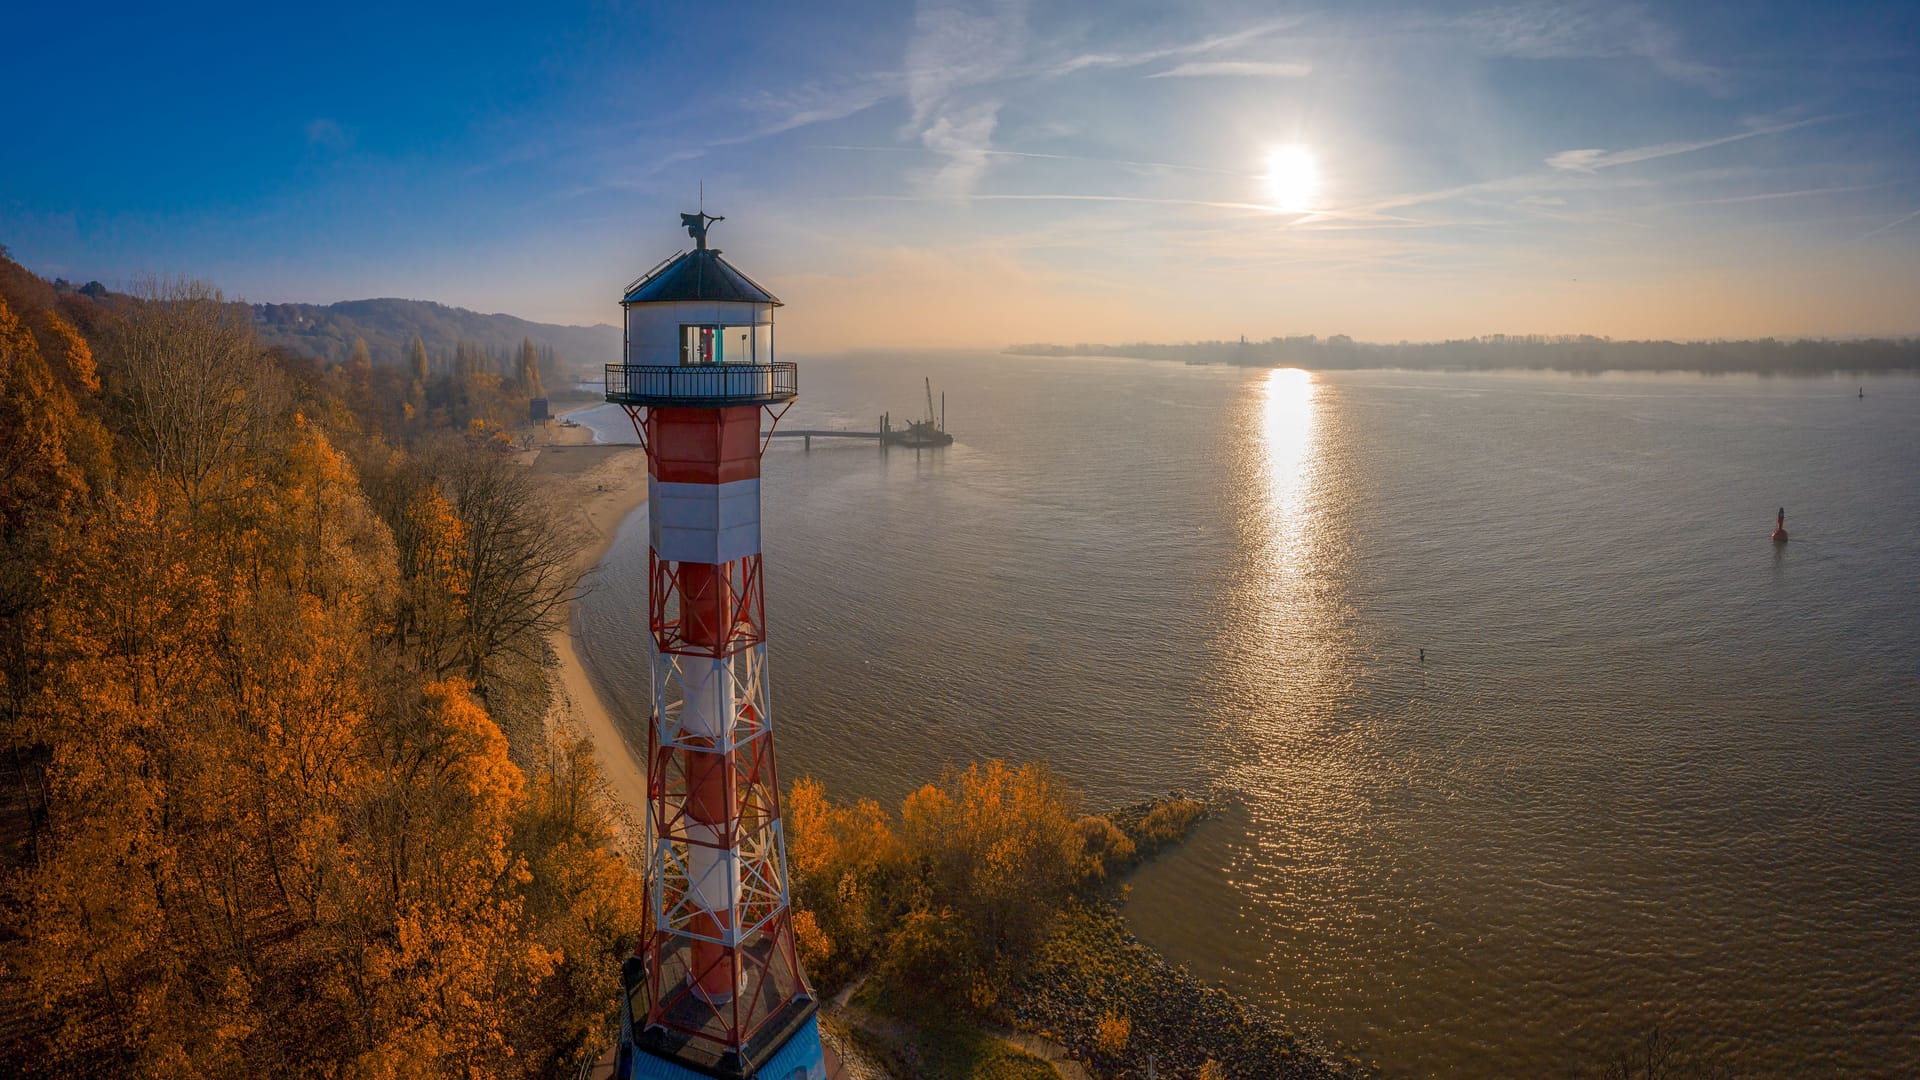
(603, 484)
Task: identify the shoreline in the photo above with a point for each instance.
(608, 483)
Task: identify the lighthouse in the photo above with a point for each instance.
(716, 988)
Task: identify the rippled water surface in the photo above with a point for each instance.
(1653, 770)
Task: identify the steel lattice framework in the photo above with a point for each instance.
(722, 974)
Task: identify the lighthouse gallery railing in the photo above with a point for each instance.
(704, 385)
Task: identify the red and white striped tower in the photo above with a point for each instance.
(717, 988)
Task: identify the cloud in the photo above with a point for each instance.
(1770, 196)
(1236, 68)
(1519, 186)
(963, 137)
(1148, 56)
(1138, 200)
(1090, 60)
(958, 48)
(956, 45)
(327, 134)
(803, 106)
(1150, 166)
(1892, 225)
(1595, 29)
(1591, 160)
(954, 48)
(1578, 160)
(819, 102)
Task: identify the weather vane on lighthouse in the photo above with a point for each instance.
(716, 990)
(697, 225)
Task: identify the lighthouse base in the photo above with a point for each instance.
(801, 1057)
(786, 1047)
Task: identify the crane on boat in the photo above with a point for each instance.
(920, 434)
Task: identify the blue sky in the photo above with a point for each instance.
(979, 173)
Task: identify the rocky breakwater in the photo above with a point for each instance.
(1116, 1004)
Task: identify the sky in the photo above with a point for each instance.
(982, 173)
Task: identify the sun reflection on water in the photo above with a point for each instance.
(1288, 624)
(1287, 436)
(1293, 754)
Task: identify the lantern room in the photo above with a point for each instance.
(699, 333)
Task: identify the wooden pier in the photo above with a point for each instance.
(824, 434)
(917, 435)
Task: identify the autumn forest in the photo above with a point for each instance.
(261, 620)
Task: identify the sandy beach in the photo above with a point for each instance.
(603, 484)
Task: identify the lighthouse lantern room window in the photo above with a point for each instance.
(710, 343)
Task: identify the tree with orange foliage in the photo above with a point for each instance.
(183, 373)
(581, 899)
(527, 370)
(359, 373)
(419, 376)
(845, 864)
(433, 543)
(52, 457)
(999, 847)
(814, 946)
(53, 451)
(427, 955)
(1102, 845)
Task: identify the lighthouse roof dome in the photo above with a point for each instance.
(700, 274)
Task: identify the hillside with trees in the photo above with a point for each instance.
(388, 327)
(261, 620)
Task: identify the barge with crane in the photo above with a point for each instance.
(917, 435)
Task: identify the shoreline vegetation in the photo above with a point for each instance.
(1575, 353)
(1087, 999)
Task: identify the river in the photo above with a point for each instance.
(1653, 769)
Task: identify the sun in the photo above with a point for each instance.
(1293, 178)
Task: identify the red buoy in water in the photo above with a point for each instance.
(1780, 527)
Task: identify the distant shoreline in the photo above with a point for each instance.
(1570, 355)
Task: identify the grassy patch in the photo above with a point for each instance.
(957, 1052)
(1157, 823)
(917, 1041)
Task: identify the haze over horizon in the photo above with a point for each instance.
(979, 174)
